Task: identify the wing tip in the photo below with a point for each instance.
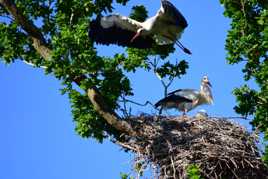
(168, 5)
(156, 105)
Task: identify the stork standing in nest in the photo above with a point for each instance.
(187, 99)
(164, 28)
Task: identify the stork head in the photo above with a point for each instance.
(143, 31)
(205, 81)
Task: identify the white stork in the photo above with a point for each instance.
(187, 99)
(164, 28)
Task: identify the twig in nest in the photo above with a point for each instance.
(127, 146)
(139, 104)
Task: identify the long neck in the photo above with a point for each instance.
(206, 93)
(148, 24)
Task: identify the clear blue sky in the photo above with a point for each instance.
(37, 134)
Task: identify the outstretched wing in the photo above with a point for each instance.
(117, 29)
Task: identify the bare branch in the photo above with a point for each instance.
(232, 117)
(33, 65)
(127, 146)
(126, 112)
(139, 104)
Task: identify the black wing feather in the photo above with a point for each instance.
(173, 92)
(172, 99)
(117, 35)
(174, 13)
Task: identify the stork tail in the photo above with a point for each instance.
(159, 103)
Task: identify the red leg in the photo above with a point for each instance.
(135, 36)
(184, 113)
(195, 102)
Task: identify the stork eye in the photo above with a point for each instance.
(205, 78)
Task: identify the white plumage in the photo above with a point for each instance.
(187, 99)
(164, 28)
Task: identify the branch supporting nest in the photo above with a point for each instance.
(220, 148)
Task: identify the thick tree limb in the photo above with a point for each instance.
(44, 50)
(111, 117)
(33, 32)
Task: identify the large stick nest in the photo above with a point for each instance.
(220, 148)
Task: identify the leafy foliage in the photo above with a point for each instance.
(139, 13)
(172, 70)
(126, 176)
(247, 42)
(64, 24)
(193, 172)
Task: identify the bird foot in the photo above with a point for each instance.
(186, 50)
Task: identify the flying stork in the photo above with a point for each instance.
(164, 28)
(187, 99)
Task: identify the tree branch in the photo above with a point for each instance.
(37, 37)
(44, 50)
(111, 117)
